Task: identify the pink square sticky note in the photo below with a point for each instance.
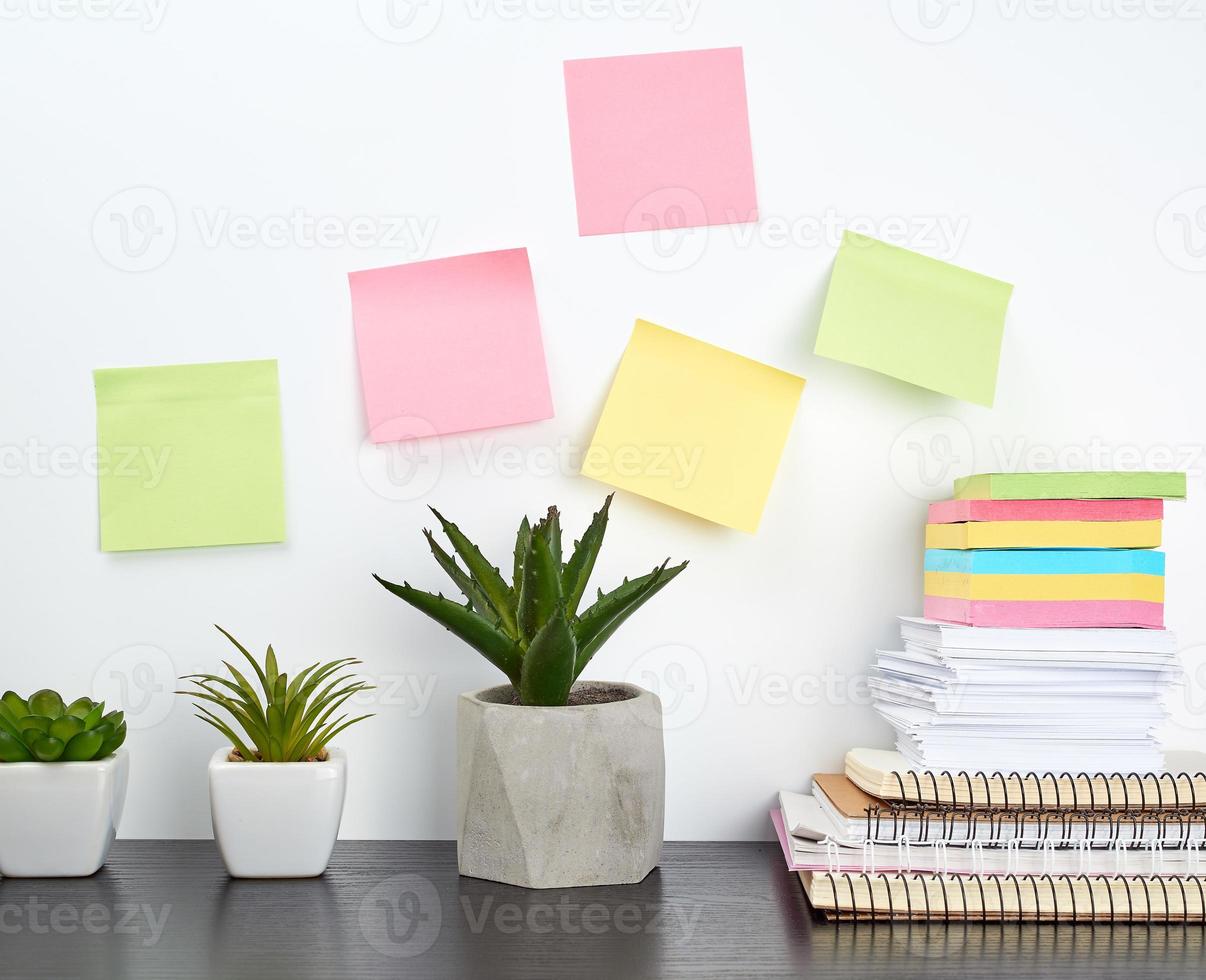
(449, 345)
(660, 141)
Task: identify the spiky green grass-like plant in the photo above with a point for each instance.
(530, 627)
(43, 728)
(291, 720)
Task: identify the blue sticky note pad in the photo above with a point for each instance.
(1046, 562)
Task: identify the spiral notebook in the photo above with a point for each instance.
(852, 817)
(887, 774)
(1013, 898)
(1015, 856)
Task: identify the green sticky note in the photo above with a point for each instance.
(1069, 485)
(189, 455)
(915, 318)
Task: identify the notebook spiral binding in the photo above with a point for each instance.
(1101, 791)
(888, 823)
(900, 856)
(1143, 899)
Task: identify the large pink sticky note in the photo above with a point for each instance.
(449, 345)
(660, 141)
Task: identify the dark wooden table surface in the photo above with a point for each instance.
(161, 910)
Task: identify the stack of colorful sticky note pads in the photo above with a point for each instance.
(1049, 550)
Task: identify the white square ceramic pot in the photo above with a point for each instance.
(59, 819)
(277, 819)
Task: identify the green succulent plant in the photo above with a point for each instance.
(530, 627)
(291, 721)
(43, 728)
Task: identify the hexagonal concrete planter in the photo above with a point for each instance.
(59, 819)
(560, 797)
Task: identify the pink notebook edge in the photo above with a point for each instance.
(776, 816)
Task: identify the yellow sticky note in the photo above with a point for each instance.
(694, 426)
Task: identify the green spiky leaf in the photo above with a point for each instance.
(577, 572)
(541, 591)
(274, 728)
(487, 639)
(477, 598)
(541, 588)
(597, 625)
(488, 578)
(522, 538)
(548, 666)
(550, 529)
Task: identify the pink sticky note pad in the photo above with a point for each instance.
(1052, 614)
(449, 345)
(660, 141)
(959, 511)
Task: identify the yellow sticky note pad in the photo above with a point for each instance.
(694, 426)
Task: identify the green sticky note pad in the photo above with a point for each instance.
(919, 319)
(189, 455)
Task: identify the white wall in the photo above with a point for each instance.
(1050, 145)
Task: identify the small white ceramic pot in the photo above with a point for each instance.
(59, 819)
(277, 819)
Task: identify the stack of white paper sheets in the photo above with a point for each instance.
(976, 699)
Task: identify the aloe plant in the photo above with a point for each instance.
(291, 721)
(530, 627)
(43, 728)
